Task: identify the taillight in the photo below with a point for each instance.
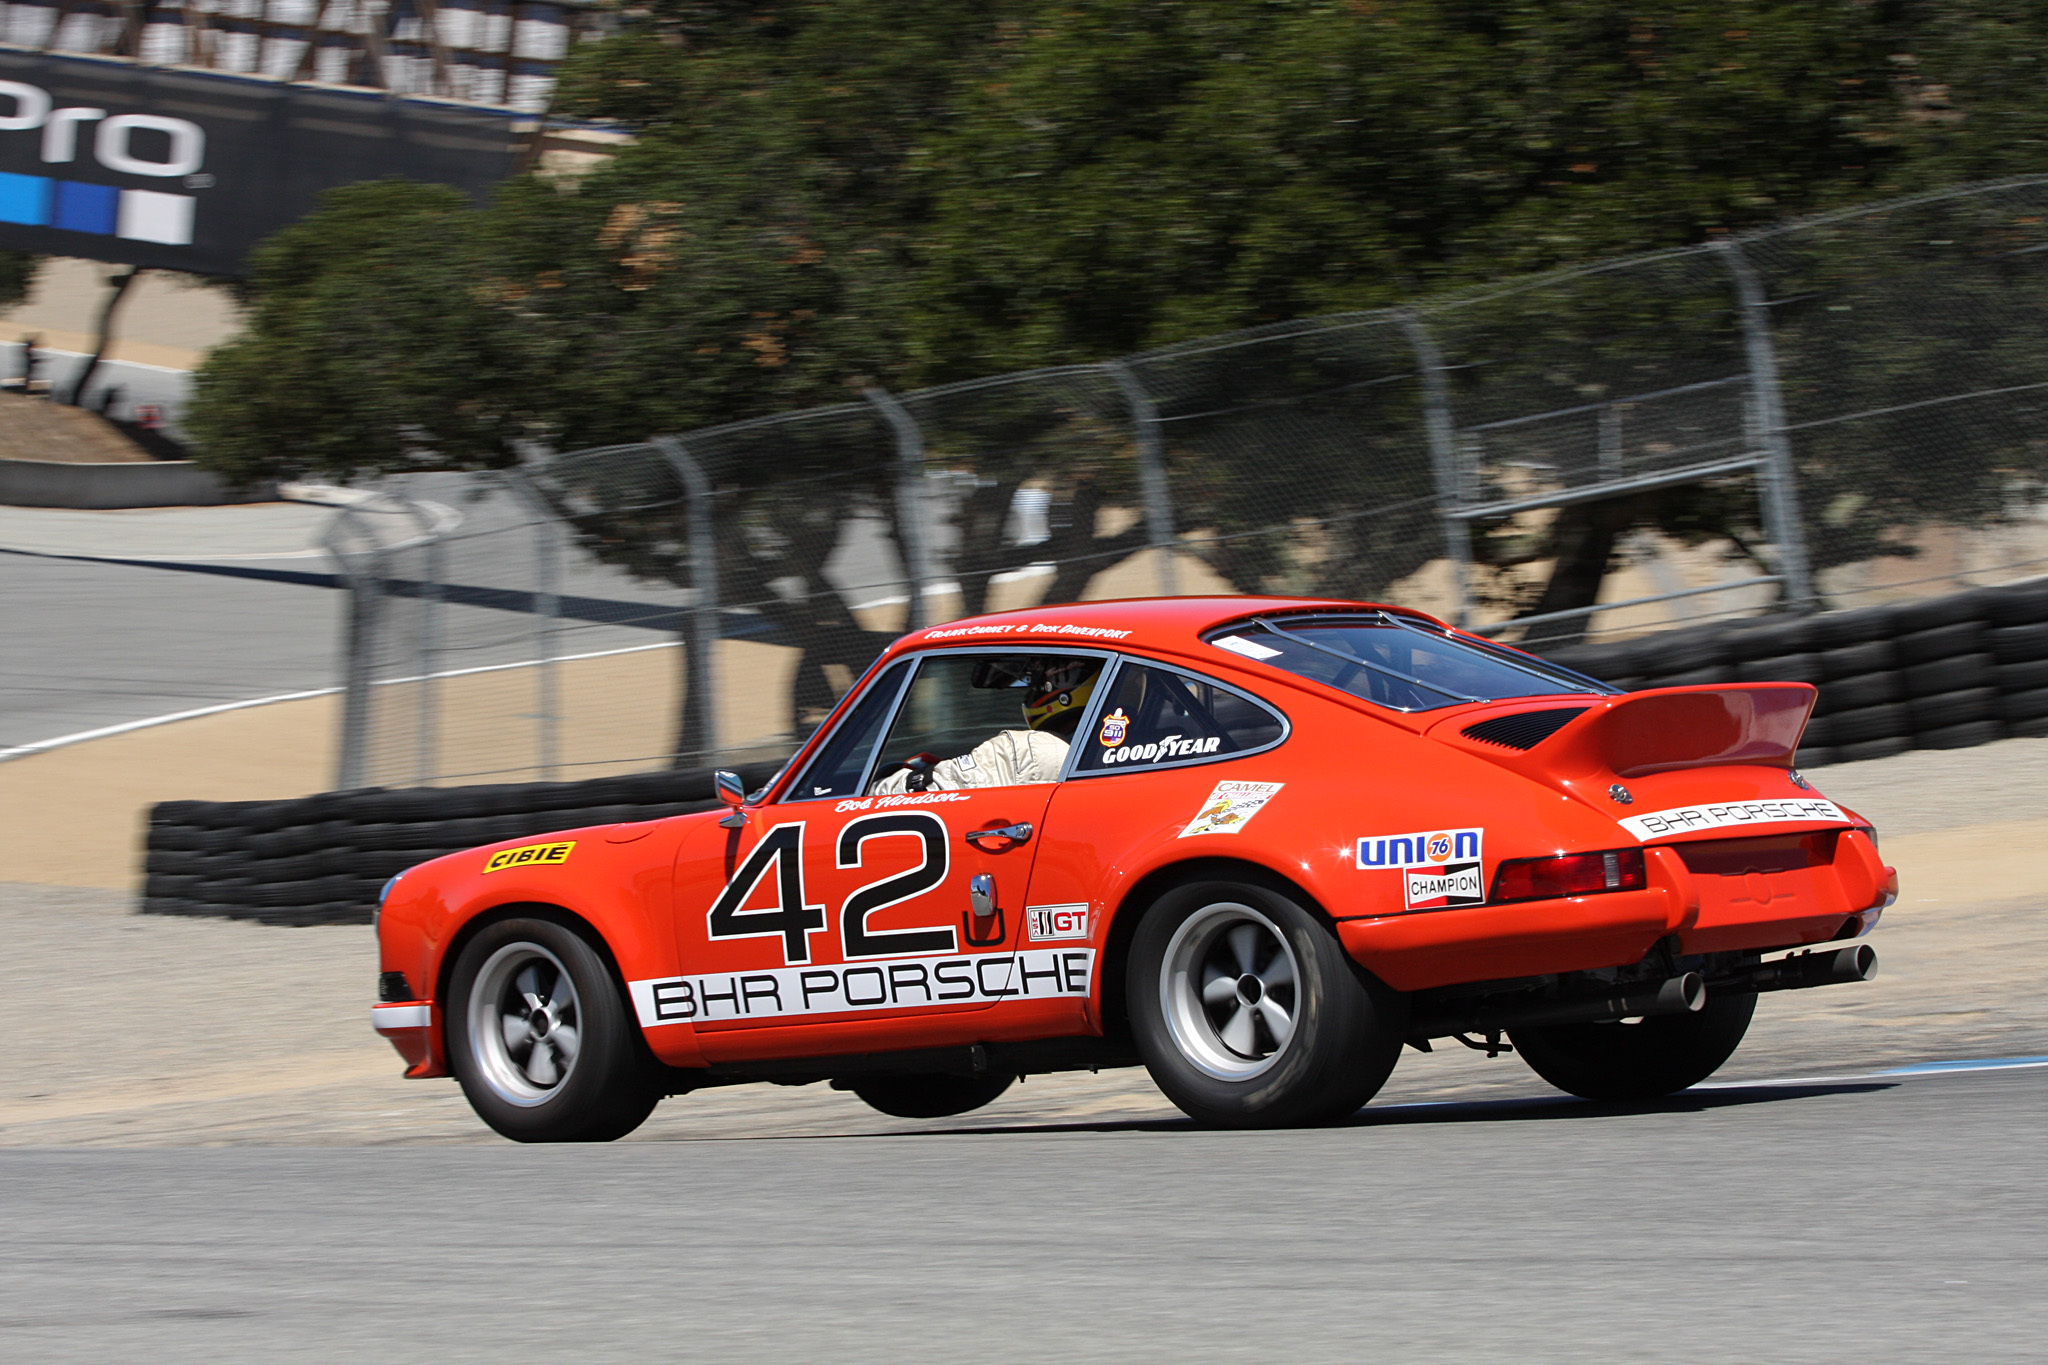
(1570, 874)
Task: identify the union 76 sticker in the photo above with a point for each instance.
(1231, 806)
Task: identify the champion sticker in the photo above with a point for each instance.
(1733, 814)
(1046, 923)
(1436, 888)
(889, 984)
(1115, 726)
(1230, 807)
(529, 856)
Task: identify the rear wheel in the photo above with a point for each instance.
(1249, 1014)
(935, 1096)
(540, 1039)
(1637, 1060)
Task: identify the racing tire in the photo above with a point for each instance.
(1642, 1060)
(934, 1096)
(540, 1039)
(1249, 1014)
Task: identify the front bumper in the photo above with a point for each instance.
(1722, 895)
(412, 1029)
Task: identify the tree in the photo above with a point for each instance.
(825, 196)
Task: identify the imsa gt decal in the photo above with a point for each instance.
(530, 855)
(1680, 819)
(849, 987)
(1043, 923)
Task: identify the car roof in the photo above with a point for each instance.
(1173, 624)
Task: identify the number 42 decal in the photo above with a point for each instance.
(794, 921)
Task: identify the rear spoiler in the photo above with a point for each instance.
(1656, 731)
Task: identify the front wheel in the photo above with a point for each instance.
(1249, 1014)
(1638, 1060)
(539, 1037)
(935, 1096)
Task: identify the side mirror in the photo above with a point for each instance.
(733, 792)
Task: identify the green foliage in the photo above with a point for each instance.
(830, 193)
(17, 273)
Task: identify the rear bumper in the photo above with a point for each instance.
(1717, 896)
(413, 1030)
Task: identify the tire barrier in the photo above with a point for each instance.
(323, 859)
(1941, 673)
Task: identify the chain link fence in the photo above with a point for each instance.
(1834, 413)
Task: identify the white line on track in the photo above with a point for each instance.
(43, 746)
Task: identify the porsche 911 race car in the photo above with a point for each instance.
(1256, 845)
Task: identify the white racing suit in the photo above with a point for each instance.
(1014, 758)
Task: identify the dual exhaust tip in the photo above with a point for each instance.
(1682, 994)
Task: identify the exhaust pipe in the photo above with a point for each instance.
(1843, 965)
(1685, 994)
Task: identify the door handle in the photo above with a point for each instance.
(1010, 834)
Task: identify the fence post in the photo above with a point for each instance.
(427, 763)
(1443, 455)
(547, 609)
(1780, 501)
(705, 623)
(910, 500)
(365, 594)
(1152, 476)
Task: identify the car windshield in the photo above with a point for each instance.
(1397, 662)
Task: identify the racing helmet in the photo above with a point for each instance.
(1056, 690)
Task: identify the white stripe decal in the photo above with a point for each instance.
(903, 983)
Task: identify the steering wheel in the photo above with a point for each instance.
(920, 767)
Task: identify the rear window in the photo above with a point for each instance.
(1396, 661)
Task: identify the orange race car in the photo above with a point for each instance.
(1256, 844)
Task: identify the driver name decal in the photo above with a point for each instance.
(850, 987)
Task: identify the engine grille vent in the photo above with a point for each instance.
(1525, 729)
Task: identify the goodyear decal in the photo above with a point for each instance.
(529, 856)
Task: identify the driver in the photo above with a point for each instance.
(1056, 692)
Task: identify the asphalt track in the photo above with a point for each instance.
(1879, 1218)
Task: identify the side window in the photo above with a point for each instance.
(838, 768)
(1158, 716)
(986, 720)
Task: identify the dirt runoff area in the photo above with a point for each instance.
(137, 1030)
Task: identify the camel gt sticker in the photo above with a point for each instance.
(1231, 806)
(1115, 726)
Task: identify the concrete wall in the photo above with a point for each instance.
(157, 483)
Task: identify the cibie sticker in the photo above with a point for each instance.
(1433, 888)
(1115, 726)
(1680, 819)
(1429, 848)
(1047, 923)
(1231, 806)
(530, 855)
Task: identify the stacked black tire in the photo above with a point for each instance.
(1944, 673)
(323, 859)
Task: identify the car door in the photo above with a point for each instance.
(842, 917)
(1171, 755)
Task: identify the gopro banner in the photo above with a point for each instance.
(188, 170)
